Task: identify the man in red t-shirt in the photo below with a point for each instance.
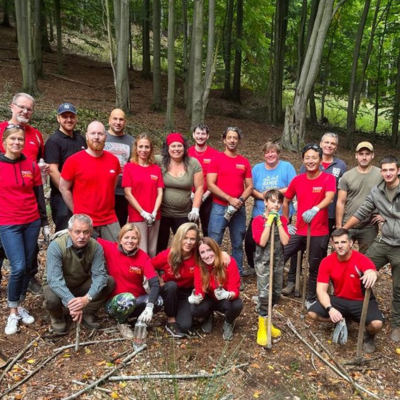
(204, 153)
(314, 191)
(351, 273)
(93, 174)
(230, 181)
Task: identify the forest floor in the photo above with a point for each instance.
(288, 371)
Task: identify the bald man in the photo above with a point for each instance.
(119, 143)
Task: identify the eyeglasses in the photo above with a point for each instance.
(22, 108)
(14, 126)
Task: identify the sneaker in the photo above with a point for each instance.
(288, 289)
(395, 335)
(126, 331)
(248, 272)
(58, 324)
(89, 320)
(25, 317)
(12, 324)
(242, 284)
(369, 343)
(34, 286)
(173, 329)
(227, 331)
(206, 326)
(309, 303)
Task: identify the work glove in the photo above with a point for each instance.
(271, 218)
(222, 294)
(310, 214)
(340, 333)
(278, 220)
(46, 233)
(292, 229)
(147, 217)
(205, 197)
(194, 214)
(147, 315)
(195, 298)
(154, 215)
(59, 233)
(192, 196)
(230, 210)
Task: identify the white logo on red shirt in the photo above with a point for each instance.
(112, 171)
(135, 270)
(240, 166)
(26, 174)
(317, 189)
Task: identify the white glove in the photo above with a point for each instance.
(205, 197)
(46, 233)
(194, 214)
(310, 214)
(147, 314)
(192, 196)
(154, 215)
(195, 298)
(222, 294)
(292, 229)
(147, 217)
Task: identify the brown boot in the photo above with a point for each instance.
(58, 323)
(89, 320)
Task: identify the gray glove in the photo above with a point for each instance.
(195, 298)
(59, 233)
(222, 294)
(310, 214)
(147, 217)
(154, 215)
(147, 315)
(192, 196)
(194, 215)
(46, 233)
(340, 333)
(292, 229)
(205, 197)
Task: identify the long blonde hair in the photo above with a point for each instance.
(175, 256)
(135, 157)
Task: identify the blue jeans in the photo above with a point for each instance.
(237, 230)
(19, 242)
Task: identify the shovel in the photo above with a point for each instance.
(298, 266)
(305, 274)
(270, 288)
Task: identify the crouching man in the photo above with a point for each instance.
(351, 273)
(76, 276)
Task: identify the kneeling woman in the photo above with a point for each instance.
(128, 265)
(216, 288)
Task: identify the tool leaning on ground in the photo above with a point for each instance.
(298, 266)
(305, 273)
(271, 282)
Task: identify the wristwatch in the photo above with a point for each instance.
(89, 297)
(329, 308)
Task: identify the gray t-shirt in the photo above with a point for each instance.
(358, 186)
(121, 147)
(176, 199)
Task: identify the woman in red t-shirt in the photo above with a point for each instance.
(22, 213)
(176, 266)
(143, 184)
(216, 287)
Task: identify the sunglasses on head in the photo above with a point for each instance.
(15, 126)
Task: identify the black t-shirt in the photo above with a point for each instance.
(59, 147)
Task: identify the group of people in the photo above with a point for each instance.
(114, 204)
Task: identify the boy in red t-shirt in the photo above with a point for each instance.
(261, 229)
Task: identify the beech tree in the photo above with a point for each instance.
(169, 121)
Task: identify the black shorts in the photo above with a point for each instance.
(350, 309)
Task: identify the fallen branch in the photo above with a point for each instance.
(174, 376)
(89, 343)
(17, 357)
(356, 385)
(108, 374)
(97, 388)
(70, 80)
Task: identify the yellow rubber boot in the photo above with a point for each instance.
(275, 332)
(262, 331)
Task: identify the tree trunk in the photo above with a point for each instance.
(37, 37)
(25, 46)
(185, 58)
(313, 107)
(156, 55)
(121, 13)
(43, 28)
(396, 108)
(238, 53)
(57, 17)
(169, 121)
(146, 65)
(226, 94)
(6, 14)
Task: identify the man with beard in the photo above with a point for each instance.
(350, 273)
(119, 143)
(93, 175)
(204, 153)
(64, 142)
(229, 180)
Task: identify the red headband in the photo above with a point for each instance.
(175, 137)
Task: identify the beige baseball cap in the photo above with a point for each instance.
(365, 145)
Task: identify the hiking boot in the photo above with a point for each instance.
(89, 320)
(289, 289)
(395, 335)
(173, 329)
(248, 271)
(34, 286)
(227, 331)
(369, 343)
(125, 330)
(26, 318)
(58, 323)
(12, 324)
(206, 326)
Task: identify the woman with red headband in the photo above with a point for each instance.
(180, 174)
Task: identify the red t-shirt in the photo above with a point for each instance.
(232, 283)
(128, 272)
(93, 181)
(186, 272)
(258, 227)
(231, 174)
(310, 192)
(34, 145)
(144, 183)
(18, 204)
(344, 275)
(204, 158)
